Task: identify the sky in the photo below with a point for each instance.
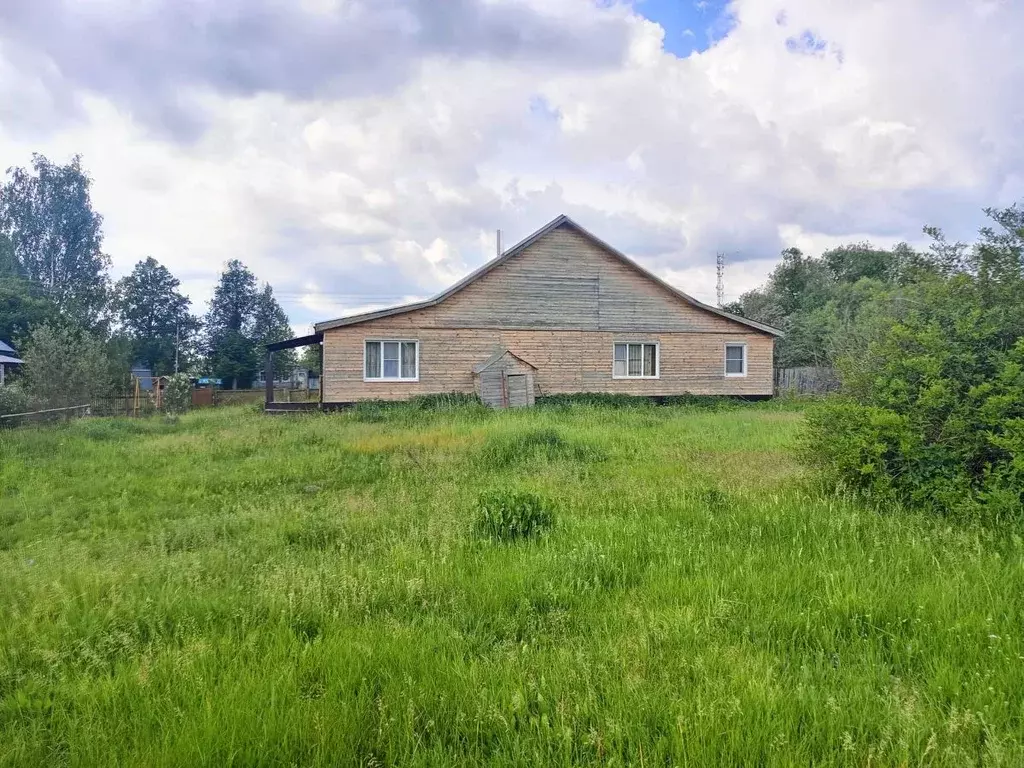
(362, 153)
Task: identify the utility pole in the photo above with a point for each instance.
(721, 279)
(177, 340)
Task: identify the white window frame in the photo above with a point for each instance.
(657, 359)
(725, 359)
(391, 379)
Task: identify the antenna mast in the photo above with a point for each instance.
(721, 279)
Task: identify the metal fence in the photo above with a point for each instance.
(808, 380)
(245, 396)
(145, 404)
(47, 414)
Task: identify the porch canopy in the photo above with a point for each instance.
(277, 346)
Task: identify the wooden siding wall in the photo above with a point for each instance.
(561, 304)
(567, 361)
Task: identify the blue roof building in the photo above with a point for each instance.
(8, 357)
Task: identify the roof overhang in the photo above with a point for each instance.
(8, 360)
(562, 220)
(298, 341)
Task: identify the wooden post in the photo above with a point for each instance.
(268, 374)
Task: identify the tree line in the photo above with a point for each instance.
(929, 345)
(80, 332)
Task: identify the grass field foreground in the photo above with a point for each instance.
(237, 589)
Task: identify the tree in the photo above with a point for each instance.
(228, 321)
(154, 316)
(270, 324)
(56, 237)
(65, 366)
(933, 374)
(241, 319)
(311, 358)
(23, 304)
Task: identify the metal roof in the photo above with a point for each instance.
(562, 220)
(10, 360)
(4, 347)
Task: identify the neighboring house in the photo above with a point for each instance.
(144, 374)
(8, 359)
(561, 312)
(297, 378)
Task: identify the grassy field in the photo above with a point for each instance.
(236, 589)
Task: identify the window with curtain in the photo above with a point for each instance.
(735, 359)
(391, 360)
(635, 361)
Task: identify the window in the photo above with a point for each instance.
(735, 359)
(391, 361)
(635, 361)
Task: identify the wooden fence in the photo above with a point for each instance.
(808, 380)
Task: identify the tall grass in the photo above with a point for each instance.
(234, 589)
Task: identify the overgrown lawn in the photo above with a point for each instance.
(237, 589)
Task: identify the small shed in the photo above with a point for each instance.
(505, 380)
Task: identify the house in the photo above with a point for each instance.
(296, 378)
(561, 312)
(144, 374)
(8, 359)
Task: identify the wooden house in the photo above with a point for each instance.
(560, 312)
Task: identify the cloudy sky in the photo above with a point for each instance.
(360, 153)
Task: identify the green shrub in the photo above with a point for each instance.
(512, 515)
(177, 395)
(13, 399)
(934, 412)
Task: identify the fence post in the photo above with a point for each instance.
(268, 374)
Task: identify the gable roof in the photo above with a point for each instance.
(519, 247)
(4, 347)
(496, 357)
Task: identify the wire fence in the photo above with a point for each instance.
(47, 414)
(143, 404)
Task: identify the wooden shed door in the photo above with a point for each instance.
(517, 391)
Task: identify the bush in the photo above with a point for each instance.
(66, 366)
(13, 399)
(177, 395)
(512, 515)
(936, 399)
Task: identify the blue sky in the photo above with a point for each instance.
(690, 25)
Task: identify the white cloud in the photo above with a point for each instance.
(830, 122)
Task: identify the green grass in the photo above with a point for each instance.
(235, 589)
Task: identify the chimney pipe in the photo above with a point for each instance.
(499, 242)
